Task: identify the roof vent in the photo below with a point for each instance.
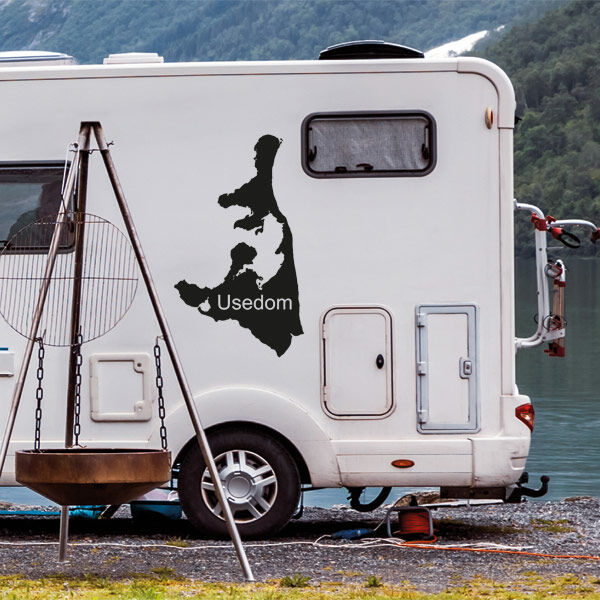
(128, 58)
(362, 49)
(31, 58)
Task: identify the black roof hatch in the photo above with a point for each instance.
(362, 49)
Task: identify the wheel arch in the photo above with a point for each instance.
(285, 442)
(261, 410)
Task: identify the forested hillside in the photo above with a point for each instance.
(555, 67)
(551, 54)
(246, 29)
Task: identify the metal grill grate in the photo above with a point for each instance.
(109, 278)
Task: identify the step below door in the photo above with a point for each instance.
(357, 362)
(447, 373)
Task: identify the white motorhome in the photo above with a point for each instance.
(332, 242)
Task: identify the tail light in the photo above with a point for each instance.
(526, 414)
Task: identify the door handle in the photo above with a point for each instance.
(379, 361)
(465, 368)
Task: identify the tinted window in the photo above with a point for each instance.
(29, 193)
(369, 144)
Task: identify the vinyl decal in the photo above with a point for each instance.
(260, 291)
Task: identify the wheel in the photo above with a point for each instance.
(259, 477)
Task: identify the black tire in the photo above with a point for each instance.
(260, 478)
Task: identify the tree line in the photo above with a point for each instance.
(555, 70)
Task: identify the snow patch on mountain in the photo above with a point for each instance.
(460, 46)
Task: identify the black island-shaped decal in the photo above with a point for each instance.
(260, 291)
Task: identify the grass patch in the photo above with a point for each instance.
(372, 581)
(95, 581)
(450, 528)
(177, 542)
(294, 581)
(166, 574)
(553, 525)
(530, 586)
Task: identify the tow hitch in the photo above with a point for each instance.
(520, 491)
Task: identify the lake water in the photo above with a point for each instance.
(565, 392)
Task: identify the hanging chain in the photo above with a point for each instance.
(161, 400)
(39, 395)
(77, 407)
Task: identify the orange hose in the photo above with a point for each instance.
(496, 551)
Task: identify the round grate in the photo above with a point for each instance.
(108, 279)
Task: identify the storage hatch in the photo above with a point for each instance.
(120, 387)
(447, 372)
(357, 362)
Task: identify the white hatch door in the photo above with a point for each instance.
(447, 368)
(357, 356)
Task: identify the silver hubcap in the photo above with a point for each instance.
(249, 483)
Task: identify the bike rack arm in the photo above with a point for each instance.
(541, 260)
(581, 223)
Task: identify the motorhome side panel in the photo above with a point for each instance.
(185, 148)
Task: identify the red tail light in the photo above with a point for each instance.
(526, 414)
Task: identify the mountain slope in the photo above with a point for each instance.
(245, 29)
(556, 73)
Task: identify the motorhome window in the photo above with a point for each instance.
(369, 144)
(28, 193)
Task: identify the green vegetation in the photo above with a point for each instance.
(553, 525)
(246, 30)
(344, 573)
(294, 581)
(530, 585)
(454, 528)
(555, 70)
(177, 542)
(549, 49)
(164, 573)
(372, 581)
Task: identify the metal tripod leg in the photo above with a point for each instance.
(84, 136)
(64, 534)
(39, 307)
(177, 366)
(82, 172)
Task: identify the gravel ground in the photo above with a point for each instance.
(122, 546)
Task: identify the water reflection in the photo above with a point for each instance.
(565, 391)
